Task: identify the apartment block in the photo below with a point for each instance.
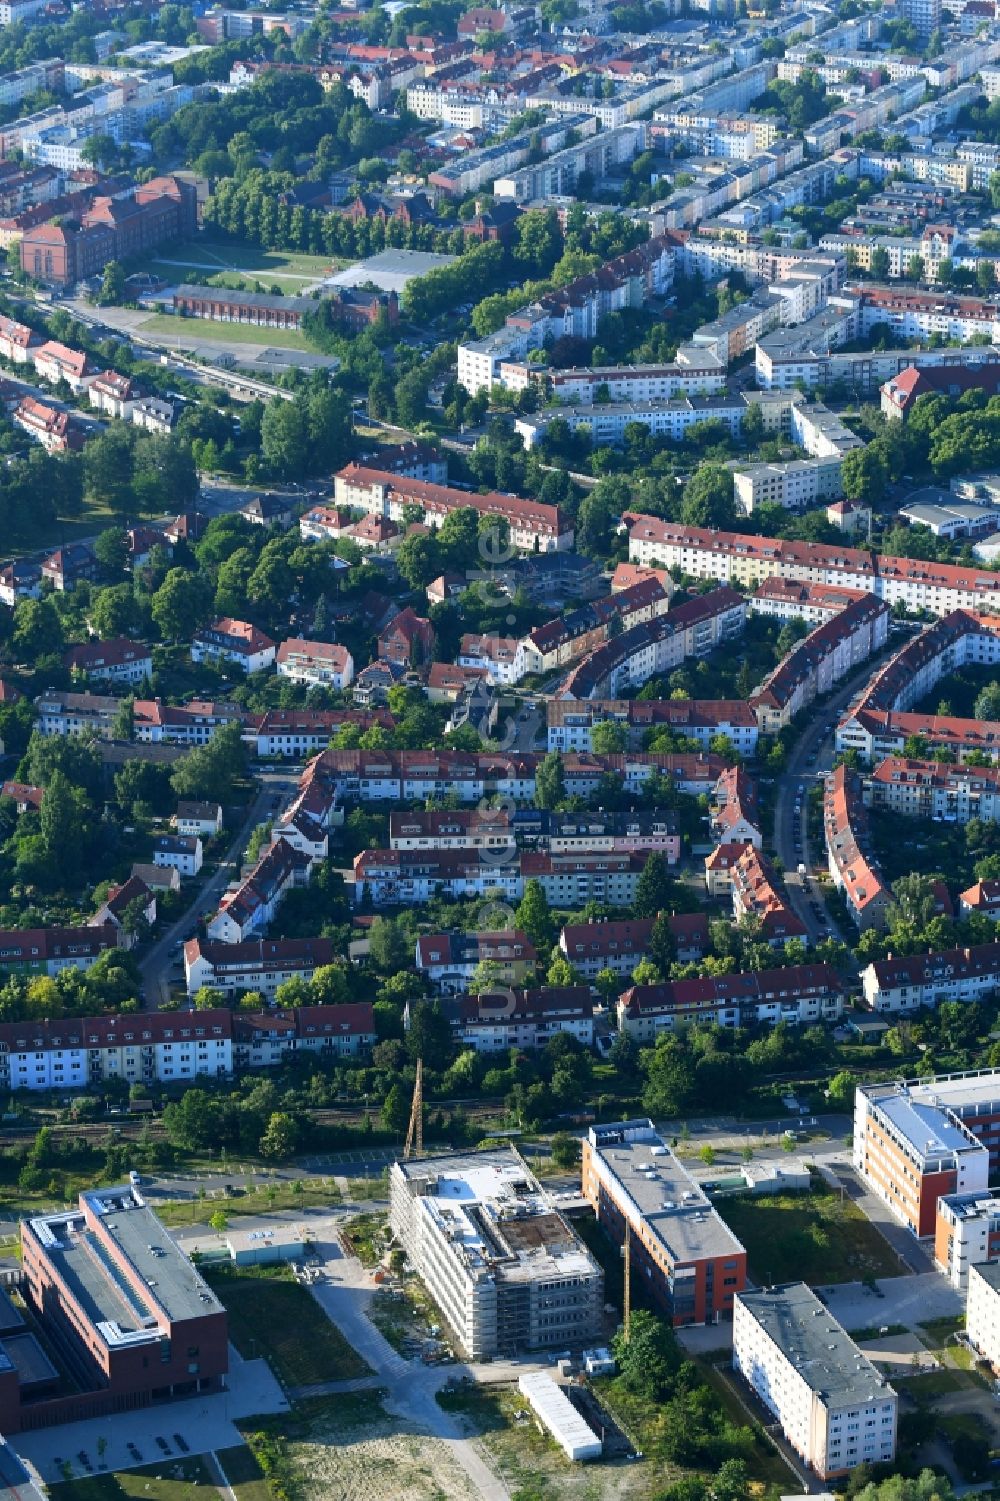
(982, 1313)
(966, 1233)
(799, 994)
(682, 1253)
(834, 1407)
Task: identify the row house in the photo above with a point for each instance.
(734, 557)
(572, 880)
(47, 951)
(800, 995)
(50, 426)
(787, 599)
(259, 965)
(559, 641)
(497, 656)
(69, 566)
(877, 733)
(449, 961)
(932, 789)
(171, 1047)
(719, 867)
(509, 1017)
(907, 982)
(20, 579)
(188, 724)
(570, 723)
(757, 894)
(600, 832)
(253, 903)
(621, 946)
(815, 665)
(318, 664)
(235, 641)
(532, 526)
(116, 661)
(297, 733)
(413, 776)
(464, 829)
(407, 877)
(62, 713)
(735, 816)
(853, 865)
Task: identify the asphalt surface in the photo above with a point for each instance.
(155, 966)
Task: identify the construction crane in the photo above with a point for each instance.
(415, 1131)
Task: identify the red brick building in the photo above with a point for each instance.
(110, 229)
(123, 1306)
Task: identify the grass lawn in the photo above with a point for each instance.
(811, 1237)
(270, 1313)
(318, 1194)
(365, 1235)
(244, 1474)
(208, 255)
(182, 1480)
(192, 331)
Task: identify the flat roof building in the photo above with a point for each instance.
(835, 1409)
(966, 1232)
(982, 1314)
(505, 1268)
(126, 1305)
(687, 1257)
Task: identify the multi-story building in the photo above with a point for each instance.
(621, 946)
(567, 637)
(800, 994)
(506, 1270)
(757, 893)
(110, 229)
(852, 863)
(320, 664)
(62, 713)
(260, 965)
(570, 722)
(933, 789)
(235, 641)
(906, 982)
(532, 526)
(814, 666)
(966, 1232)
(795, 485)
(114, 661)
(683, 1254)
(252, 904)
(835, 1408)
(502, 1017)
(918, 1140)
(123, 1303)
(450, 960)
(982, 1313)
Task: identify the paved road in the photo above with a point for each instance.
(154, 969)
(812, 755)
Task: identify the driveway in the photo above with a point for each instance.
(410, 1386)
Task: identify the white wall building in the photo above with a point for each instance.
(982, 1314)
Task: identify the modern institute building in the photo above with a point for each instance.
(835, 1409)
(681, 1251)
(124, 1308)
(506, 1270)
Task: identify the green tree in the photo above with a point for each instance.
(389, 946)
(112, 291)
(864, 474)
(654, 888)
(111, 551)
(396, 1110)
(647, 1356)
(708, 497)
(608, 737)
(280, 1138)
(181, 603)
(565, 1150)
(550, 784)
(534, 917)
(670, 1079)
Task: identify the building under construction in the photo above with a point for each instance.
(506, 1270)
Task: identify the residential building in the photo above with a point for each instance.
(47, 951)
(758, 894)
(48, 425)
(815, 665)
(506, 1270)
(252, 904)
(497, 656)
(234, 641)
(182, 851)
(449, 961)
(123, 1303)
(408, 639)
(735, 817)
(505, 1017)
(76, 713)
(532, 525)
(68, 565)
(908, 982)
(796, 485)
(259, 965)
(799, 995)
(834, 1407)
(127, 909)
(918, 1140)
(681, 1252)
(934, 789)
(966, 1233)
(155, 212)
(114, 661)
(621, 946)
(853, 865)
(202, 819)
(982, 1312)
(320, 664)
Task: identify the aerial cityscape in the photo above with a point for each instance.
(500, 736)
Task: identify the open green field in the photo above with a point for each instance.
(244, 1474)
(182, 1480)
(809, 1237)
(314, 1193)
(221, 255)
(190, 332)
(268, 1314)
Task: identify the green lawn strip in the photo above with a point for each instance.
(810, 1237)
(242, 1469)
(194, 331)
(271, 1314)
(264, 1201)
(234, 256)
(936, 1332)
(935, 1383)
(169, 1480)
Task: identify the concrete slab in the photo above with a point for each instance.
(905, 1300)
(206, 1423)
(899, 1354)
